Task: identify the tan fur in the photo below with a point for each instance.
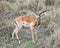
(26, 21)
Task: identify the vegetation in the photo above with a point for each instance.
(48, 32)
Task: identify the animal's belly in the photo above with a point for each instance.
(25, 24)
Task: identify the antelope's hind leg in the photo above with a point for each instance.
(13, 33)
(16, 31)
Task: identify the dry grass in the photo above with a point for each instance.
(48, 33)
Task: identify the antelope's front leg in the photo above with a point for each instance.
(33, 34)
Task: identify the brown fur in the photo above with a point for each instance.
(30, 21)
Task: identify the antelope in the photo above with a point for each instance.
(27, 21)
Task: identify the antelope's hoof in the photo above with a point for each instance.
(11, 38)
(33, 41)
(19, 41)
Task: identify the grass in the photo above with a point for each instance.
(26, 41)
(4, 43)
(7, 26)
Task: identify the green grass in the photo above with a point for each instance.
(5, 42)
(26, 42)
(7, 27)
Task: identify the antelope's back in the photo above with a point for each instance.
(28, 19)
